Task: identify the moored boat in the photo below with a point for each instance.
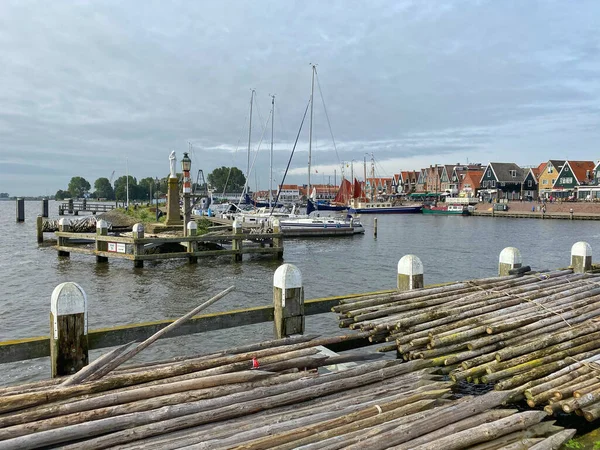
(453, 210)
(319, 226)
(383, 208)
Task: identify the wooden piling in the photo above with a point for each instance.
(45, 207)
(65, 226)
(288, 301)
(138, 249)
(39, 224)
(68, 329)
(375, 228)
(20, 210)
(510, 258)
(236, 243)
(581, 257)
(277, 242)
(192, 246)
(410, 273)
(101, 246)
(70, 206)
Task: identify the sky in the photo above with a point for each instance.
(88, 88)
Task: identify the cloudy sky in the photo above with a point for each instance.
(87, 88)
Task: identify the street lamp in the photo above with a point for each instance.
(186, 166)
(157, 183)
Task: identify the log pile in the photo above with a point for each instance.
(537, 335)
(289, 401)
(83, 225)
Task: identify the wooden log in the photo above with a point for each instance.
(435, 420)
(564, 375)
(149, 423)
(579, 386)
(545, 395)
(141, 346)
(524, 438)
(555, 441)
(485, 432)
(465, 424)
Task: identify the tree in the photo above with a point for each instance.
(121, 188)
(104, 189)
(61, 195)
(78, 186)
(221, 179)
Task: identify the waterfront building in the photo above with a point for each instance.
(289, 193)
(548, 177)
(531, 182)
(591, 191)
(421, 186)
(468, 185)
(572, 175)
(502, 181)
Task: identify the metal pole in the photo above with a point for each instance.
(271, 157)
(157, 186)
(127, 181)
(249, 138)
(310, 132)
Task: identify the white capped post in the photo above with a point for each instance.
(64, 225)
(288, 301)
(68, 329)
(510, 258)
(581, 257)
(101, 246)
(138, 249)
(192, 246)
(410, 273)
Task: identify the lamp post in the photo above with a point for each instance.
(186, 165)
(157, 183)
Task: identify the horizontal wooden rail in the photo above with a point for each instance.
(39, 347)
(164, 240)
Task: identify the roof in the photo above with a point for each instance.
(502, 171)
(474, 176)
(582, 169)
(558, 163)
(289, 186)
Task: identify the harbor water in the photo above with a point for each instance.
(451, 248)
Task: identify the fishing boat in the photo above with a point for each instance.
(452, 210)
(359, 207)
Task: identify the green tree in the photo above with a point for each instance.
(121, 188)
(78, 186)
(147, 188)
(221, 179)
(104, 189)
(61, 195)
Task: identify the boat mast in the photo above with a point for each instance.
(249, 138)
(312, 91)
(271, 157)
(372, 175)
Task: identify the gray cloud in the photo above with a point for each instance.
(85, 85)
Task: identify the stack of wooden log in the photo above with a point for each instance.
(537, 335)
(83, 225)
(289, 401)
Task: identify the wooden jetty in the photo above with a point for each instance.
(532, 335)
(75, 207)
(139, 248)
(537, 215)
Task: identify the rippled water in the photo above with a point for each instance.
(451, 248)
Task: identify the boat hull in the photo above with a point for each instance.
(389, 210)
(445, 212)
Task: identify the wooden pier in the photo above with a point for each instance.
(139, 248)
(74, 208)
(537, 215)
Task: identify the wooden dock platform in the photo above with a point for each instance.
(74, 208)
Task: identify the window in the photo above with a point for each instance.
(513, 173)
(553, 180)
(544, 182)
(529, 183)
(566, 168)
(550, 168)
(489, 172)
(493, 184)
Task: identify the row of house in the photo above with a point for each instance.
(553, 179)
(559, 179)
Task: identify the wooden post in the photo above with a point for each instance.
(410, 273)
(138, 249)
(45, 207)
(63, 225)
(70, 210)
(581, 257)
(510, 258)
(101, 246)
(192, 246)
(20, 210)
(68, 329)
(39, 228)
(288, 301)
(375, 228)
(236, 242)
(278, 241)
(571, 212)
